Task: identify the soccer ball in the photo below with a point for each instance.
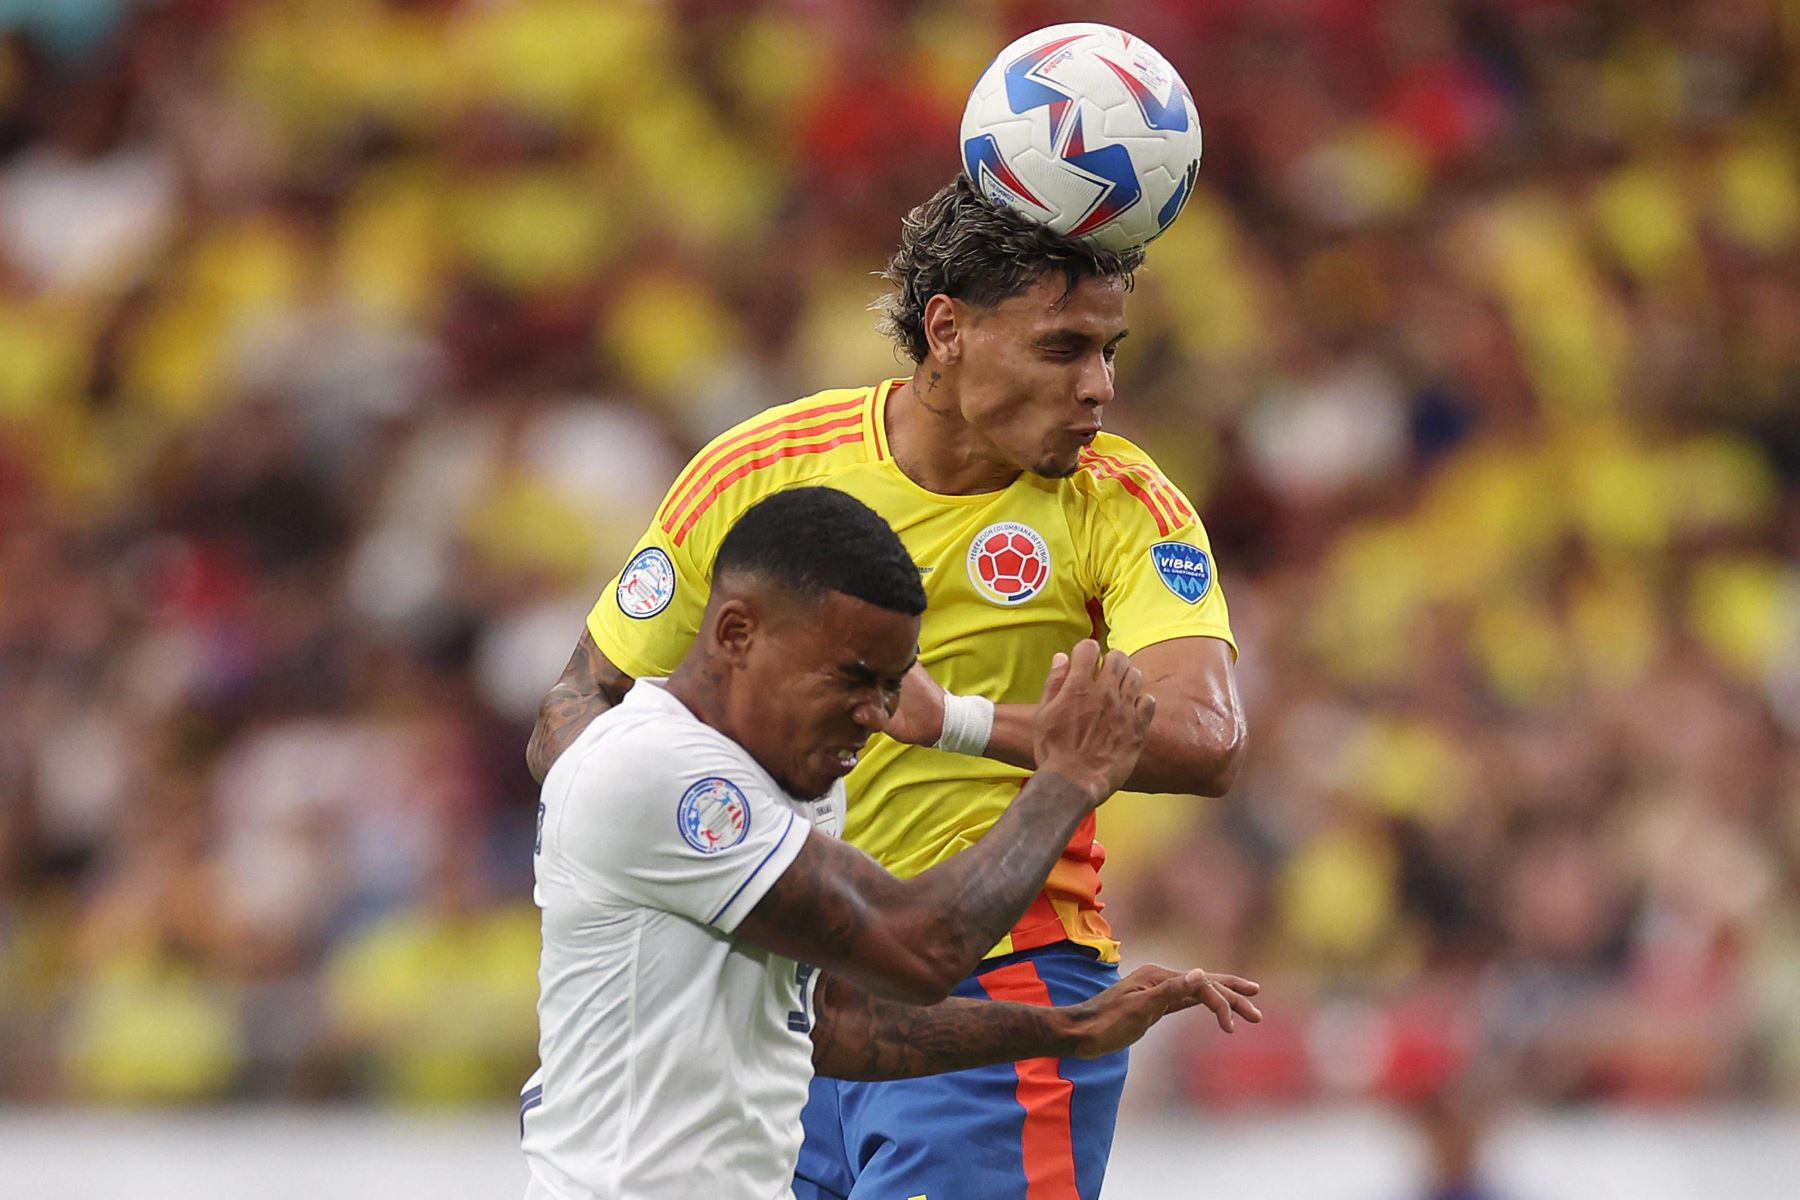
(1086, 129)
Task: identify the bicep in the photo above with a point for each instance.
(836, 908)
(1199, 670)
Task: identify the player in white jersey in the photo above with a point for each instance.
(688, 871)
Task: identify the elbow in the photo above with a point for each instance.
(929, 981)
(922, 992)
(1212, 767)
(1223, 771)
(1226, 758)
(918, 970)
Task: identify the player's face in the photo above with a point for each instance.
(1037, 369)
(821, 679)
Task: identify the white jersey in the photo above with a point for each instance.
(675, 1060)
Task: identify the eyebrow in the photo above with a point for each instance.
(862, 672)
(1070, 337)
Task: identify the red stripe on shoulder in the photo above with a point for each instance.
(1151, 477)
(789, 450)
(1174, 503)
(1107, 468)
(1155, 481)
(694, 479)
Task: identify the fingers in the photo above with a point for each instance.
(1227, 996)
(1085, 662)
(1214, 999)
(1144, 713)
(1059, 673)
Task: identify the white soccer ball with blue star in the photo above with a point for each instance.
(1086, 129)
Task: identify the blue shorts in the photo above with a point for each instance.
(1034, 1130)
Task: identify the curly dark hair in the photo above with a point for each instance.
(816, 540)
(961, 245)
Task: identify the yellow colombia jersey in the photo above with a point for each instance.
(1011, 577)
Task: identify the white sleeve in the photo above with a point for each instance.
(676, 823)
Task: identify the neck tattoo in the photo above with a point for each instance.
(933, 409)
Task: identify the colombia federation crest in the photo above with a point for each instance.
(1009, 562)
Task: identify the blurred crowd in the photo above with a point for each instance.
(347, 345)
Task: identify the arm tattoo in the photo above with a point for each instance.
(984, 890)
(859, 1036)
(835, 907)
(822, 905)
(590, 685)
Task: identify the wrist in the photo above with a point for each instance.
(1069, 1029)
(968, 724)
(1090, 788)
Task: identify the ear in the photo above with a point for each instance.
(943, 328)
(735, 629)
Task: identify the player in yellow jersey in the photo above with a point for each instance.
(1032, 529)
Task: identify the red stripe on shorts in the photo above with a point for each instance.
(1047, 1142)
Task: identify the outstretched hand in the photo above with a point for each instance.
(1124, 1012)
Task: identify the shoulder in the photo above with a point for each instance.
(778, 448)
(1124, 482)
(633, 751)
(632, 773)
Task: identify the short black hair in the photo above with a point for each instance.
(818, 539)
(964, 246)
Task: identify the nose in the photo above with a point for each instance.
(1096, 380)
(873, 711)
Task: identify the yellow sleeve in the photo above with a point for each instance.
(648, 616)
(1153, 565)
(650, 613)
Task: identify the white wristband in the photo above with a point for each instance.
(968, 724)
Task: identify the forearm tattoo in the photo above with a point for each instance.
(836, 907)
(834, 898)
(984, 894)
(859, 1036)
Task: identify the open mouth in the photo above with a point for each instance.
(843, 758)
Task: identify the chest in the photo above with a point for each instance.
(1006, 577)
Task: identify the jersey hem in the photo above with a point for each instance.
(623, 659)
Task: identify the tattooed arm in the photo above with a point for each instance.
(912, 940)
(590, 685)
(859, 1036)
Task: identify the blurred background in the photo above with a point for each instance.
(346, 346)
